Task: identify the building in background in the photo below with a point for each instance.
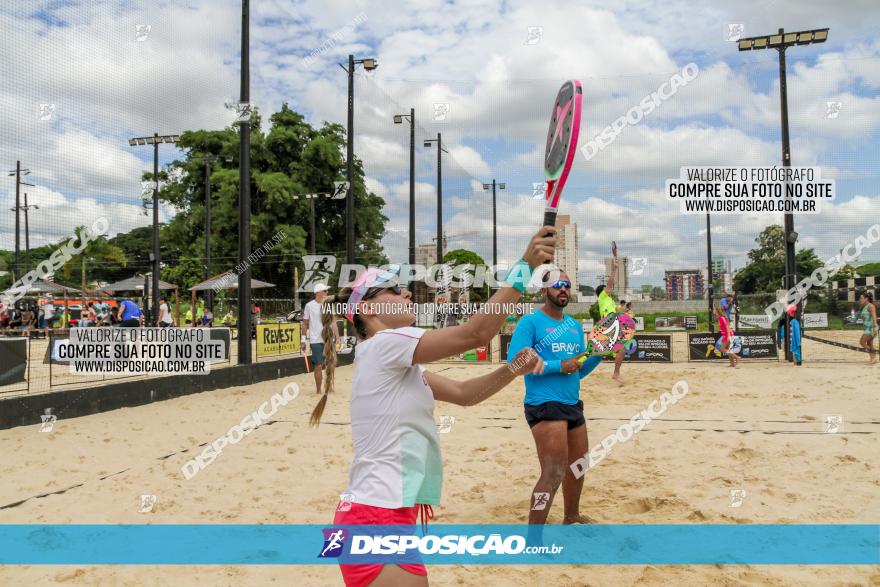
(566, 254)
(685, 284)
(426, 253)
(721, 265)
(620, 272)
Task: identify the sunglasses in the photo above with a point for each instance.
(559, 284)
(376, 291)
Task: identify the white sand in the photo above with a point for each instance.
(678, 470)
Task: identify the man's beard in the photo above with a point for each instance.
(557, 302)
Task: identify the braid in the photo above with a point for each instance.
(327, 318)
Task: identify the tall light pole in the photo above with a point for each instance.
(710, 285)
(18, 172)
(501, 186)
(209, 294)
(155, 140)
(369, 65)
(781, 41)
(398, 119)
(440, 150)
(244, 196)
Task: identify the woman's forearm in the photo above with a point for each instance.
(482, 388)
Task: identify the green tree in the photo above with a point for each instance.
(465, 257)
(291, 158)
(766, 266)
(658, 293)
(98, 252)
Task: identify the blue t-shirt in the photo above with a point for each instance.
(130, 310)
(554, 341)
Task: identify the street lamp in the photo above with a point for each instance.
(781, 41)
(440, 150)
(501, 186)
(155, 140)
(398, 119)
(369, 65)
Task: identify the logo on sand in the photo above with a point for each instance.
(319, 268)
(445, 425)
(334, 542)
(737, 496)
(147, 503)
(48, 422)
(833, 424)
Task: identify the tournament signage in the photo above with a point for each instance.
(756, 344)
(278, 339)
(650, 348)
(13, 360)
(690, 322)
(669, 323)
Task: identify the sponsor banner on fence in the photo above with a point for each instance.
(690, 322)
(816, 320)
(278, 338)
(13, 360)
(650, 348)
(756, 344)
(669, 323)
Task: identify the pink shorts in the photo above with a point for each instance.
(362, 575)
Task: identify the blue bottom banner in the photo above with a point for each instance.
(492, 544)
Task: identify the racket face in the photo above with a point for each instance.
(611, 334)
(562, 137)
(613, 249)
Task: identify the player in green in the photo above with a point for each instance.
(607, 305)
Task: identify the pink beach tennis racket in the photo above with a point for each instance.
(562, 138)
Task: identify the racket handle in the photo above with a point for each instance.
(549, 217)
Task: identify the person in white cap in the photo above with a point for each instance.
(312, 328)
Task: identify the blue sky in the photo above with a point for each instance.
(106, 86)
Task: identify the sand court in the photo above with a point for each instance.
(744, 446)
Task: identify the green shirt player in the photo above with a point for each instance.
(607, 305)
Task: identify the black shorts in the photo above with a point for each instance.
(572, 413)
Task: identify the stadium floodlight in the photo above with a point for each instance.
(781, 41)
(156, 139)
(398, 119)
(369, 64)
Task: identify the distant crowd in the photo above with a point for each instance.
(48, 314)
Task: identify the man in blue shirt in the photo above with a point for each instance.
(129, 315)
(553, 409)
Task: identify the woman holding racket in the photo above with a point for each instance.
(396, 472)
(868, 314)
